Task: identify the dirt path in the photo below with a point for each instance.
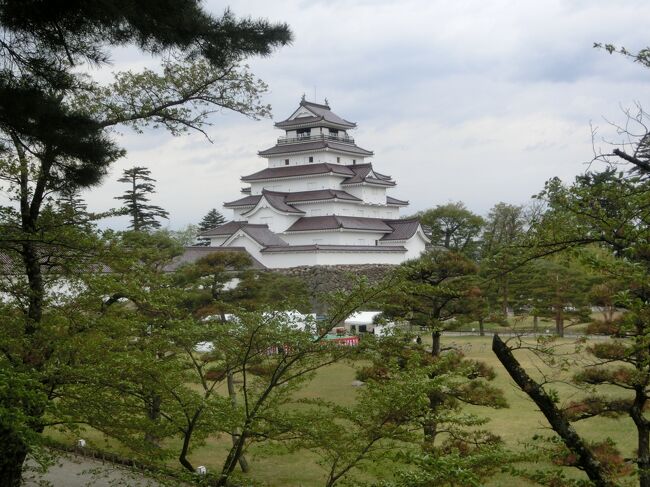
(76, 471)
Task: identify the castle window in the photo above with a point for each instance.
(354, 161)
(303, 133)
(286, 162)
(338, 159)
(311, 159)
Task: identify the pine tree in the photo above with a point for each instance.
(143, 215)
(56, 124)
(211, 220)
(73, 205)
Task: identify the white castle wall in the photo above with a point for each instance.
(318, 157)
(332, 238)
(323, 208)
(237, 213)
(275, 221)
(310, 183)
(414, 246)
(296, 259)
(369, 194)
(251, 246)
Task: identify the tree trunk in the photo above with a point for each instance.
(555, 417)
(609, 314)
(559, 321)
(153, 413)
(639, 406)
(430, 430)
(233, 457)
(243, 463)
(182, 457)
(481, 327)
(559, 308)
(36, 288)
(13, 452)
(430, 427)
(447, 239)
(535, 323)
(435, 343)
(13, 449)
(643, 440)
(506, 298)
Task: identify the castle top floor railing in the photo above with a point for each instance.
(346, 139)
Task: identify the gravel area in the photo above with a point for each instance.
(76, 471)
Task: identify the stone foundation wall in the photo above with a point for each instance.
(325, 279)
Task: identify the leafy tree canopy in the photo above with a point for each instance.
(453, 226)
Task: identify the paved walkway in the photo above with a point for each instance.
(75, 471)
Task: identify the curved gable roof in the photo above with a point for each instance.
(251, 200)
(258, 232)
(319, 195)
(334, 222)
(364, 173)
(320, 113)
(263, 236)
(277, 201)
(297, 171)
(394, 201)
(402, 229)
(224, 230)
(285, 200)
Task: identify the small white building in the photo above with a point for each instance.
(365, 322)
(319, 201)
(361, 321)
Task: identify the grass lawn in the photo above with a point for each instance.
(516, 424)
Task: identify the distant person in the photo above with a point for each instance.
(418, 340)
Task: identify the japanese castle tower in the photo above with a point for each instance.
(319, 201)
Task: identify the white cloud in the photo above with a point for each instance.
(469, 100)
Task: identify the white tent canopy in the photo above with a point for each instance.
(362, 318)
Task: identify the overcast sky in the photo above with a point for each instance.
(474, 101)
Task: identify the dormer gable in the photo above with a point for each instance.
(301, 113)
(274, 202)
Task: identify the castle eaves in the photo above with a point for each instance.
(335, 222)
(333, 248)
(281, 149)
(297, 171)
(320, 113)
(402, 229)
(295, 197)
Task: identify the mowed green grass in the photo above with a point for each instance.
(516, 424)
